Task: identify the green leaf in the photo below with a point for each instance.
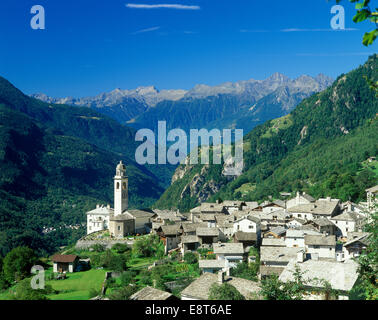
(369, 37)
(361, 15)
(360, 6)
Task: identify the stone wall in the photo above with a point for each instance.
(85, 244)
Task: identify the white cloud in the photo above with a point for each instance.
(162, 6)
(146, 30)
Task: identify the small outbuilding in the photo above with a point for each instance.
(64, 262)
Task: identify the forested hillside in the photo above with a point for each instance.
(56, 162)
(319, 148)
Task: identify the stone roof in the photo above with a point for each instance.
(273, 242)
(192, 227)
(321, 207)
(269, 271)
(207, 217)
(278, 254)
(294, 233)
(141, 213)
(149, 293)
(212, 263)
(122, 217)
(171, 230)
(245, 236)
(231, 203)
(364, 239)
(207, 232)
(320, 240)
(372, 189)
(199, 289)
(341, 276)
(189, 239)
(228, 248)
(224, 221)
(299, 220)
(323, 222)
(279, 231)
(308, 197)
(101, 210)
(211, 207)
(347, 216)
(250, 218)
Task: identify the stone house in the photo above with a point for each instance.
(189, 243)
(321, 245)
(232, 252)
(299, 199)
(248, 224)
(324, 225)
(341, 276)
(348, 222)
(276, 232)
(247, 239)
(322, 208)
(170, 235)
(274, 259)
(207, 236)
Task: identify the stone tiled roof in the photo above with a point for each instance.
(211, 207)
(171, 230)
(347, 216)
(141, 213)
(149, 293)
(199, 289)
(189, 239)
(228, 248)
(273, 242)
(320, 240)
(101, 210)
(321, 207)
(341, 276)
(208, 232)
(192, 227)
(278, 254)
(323, 222)
(212, 263)
(372, 189)
(245, 236)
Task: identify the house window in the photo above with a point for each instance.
(119, 228)
(250, 227)
(299, 215)
(117, 185)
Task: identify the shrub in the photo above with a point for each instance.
(120, 248)
(190, 258)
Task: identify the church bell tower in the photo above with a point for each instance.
(121, 186)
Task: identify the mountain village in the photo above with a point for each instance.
(321, 237)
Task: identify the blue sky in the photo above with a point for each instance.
(92, 46)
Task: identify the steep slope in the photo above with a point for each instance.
(83, 123)
(314, 148)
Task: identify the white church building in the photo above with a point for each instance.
(119, 221)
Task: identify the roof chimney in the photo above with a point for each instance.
(220, 277)
(300, 256)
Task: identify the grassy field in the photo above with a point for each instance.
(77, 285)
(246, 188)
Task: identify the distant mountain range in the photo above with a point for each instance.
(242, 104)
(319, 147)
